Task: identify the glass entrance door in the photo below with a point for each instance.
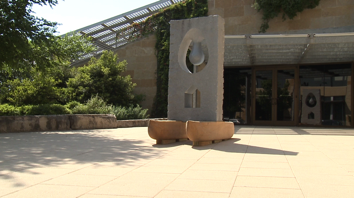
(275, 96)
(264, 95)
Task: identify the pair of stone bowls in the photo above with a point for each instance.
(201, 133)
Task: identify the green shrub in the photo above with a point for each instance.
(95, 105)
(71, 105)
(126, 113)
(104, 77)
(9, 110)
(44, 109)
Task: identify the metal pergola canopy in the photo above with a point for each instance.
(249, 50)
(104, 32)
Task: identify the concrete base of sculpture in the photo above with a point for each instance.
(167, 131)
(205, 133)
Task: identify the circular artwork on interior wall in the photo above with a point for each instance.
(311, 100)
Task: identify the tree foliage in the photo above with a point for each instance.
(38, 84)
(29, 41)
(102, 77)
(20, 30)
(39, 88)
(62, 84)
(289, 8)
(35, 65)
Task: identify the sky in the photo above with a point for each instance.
(75, 14)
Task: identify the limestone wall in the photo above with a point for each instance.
(38, 123)
(142, 64)
(56, 122)
(329, 16)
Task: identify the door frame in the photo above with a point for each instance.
(274, 121)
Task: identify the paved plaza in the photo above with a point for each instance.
(125, 162)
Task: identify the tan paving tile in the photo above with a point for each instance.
(172, 162)
(265, 172)
(344, 154)
(200, 185)
(291, 138)
(264, 158)
(209, 175)
(242, 132)
(161, 169)
(224, 154)
(104, 170)
(30, 177)
(312, 163)
(319, 170)
(322, 164)
(266, 182)
(251, 164)
(265, 150)
(264, 139)
(250, 192)
(296, 144)
(347, 180)
(290, 132)
(44, 171)
(4, 190)
(327, 191)
(108, 196)
(263, 132)
(70, 165)
(52, 191)
(80, 180)
(15, 183)
(215, 167)
(136, 184)
(243, 139)
(187, 194)
(183, 156)
(193, 151)
(308, 155)
(299, 148)
(344, 161)
(220, 160)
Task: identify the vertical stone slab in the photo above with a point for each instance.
(208, 82)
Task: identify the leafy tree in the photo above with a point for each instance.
(20, 31)
(102, 77)
(41, 85)
(67, 48)
(40, 88)
(28, 41)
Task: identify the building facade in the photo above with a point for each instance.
(298, 73)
